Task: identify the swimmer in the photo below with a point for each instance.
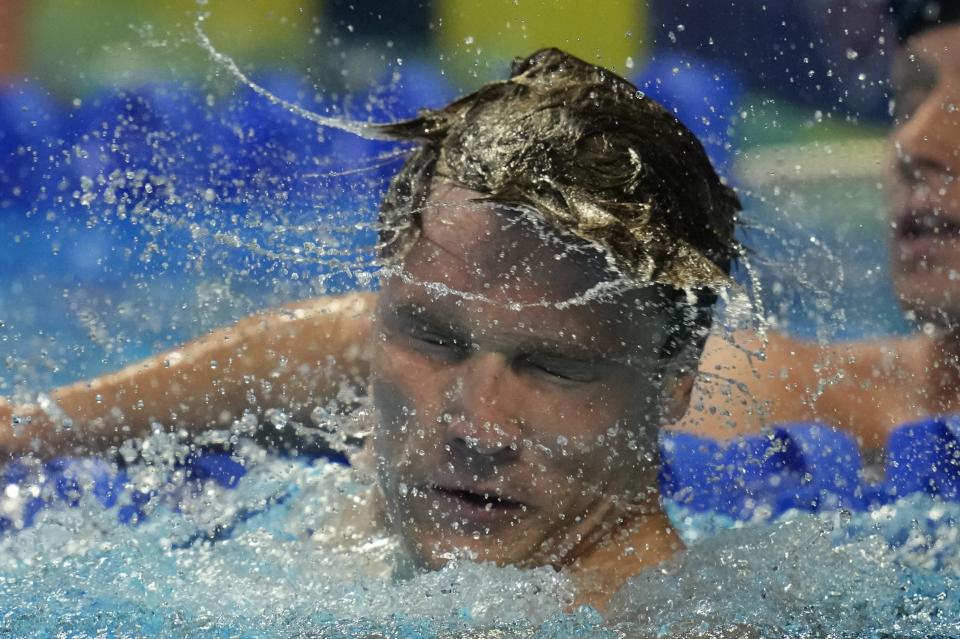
(869, 388)
(552, 252)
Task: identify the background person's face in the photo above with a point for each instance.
(508, 434)
(923, 191)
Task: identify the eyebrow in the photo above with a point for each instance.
(525, 344)
(418, 313)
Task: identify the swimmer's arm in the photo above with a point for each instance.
(739, 392)
(746, 384)
(869, 389)
(289, 359)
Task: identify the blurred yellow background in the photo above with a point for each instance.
(75, 44)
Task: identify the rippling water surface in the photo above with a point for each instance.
(271, 571)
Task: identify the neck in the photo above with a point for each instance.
(645, 540)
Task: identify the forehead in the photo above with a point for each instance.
(488, 266)
(511, 253)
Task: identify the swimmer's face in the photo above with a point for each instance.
(510, 430)
(923, 190)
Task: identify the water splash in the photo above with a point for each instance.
(279, 573)
(276, 575)
(360, 129)
(832, 575)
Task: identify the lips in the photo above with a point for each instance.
(919, 224)
(477, 505)
(926, 241)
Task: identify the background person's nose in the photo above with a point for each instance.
(927, 143)
(482, 419)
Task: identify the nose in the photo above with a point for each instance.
(927, 144)
(482, 420)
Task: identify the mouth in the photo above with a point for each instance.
(925, 224)
(474, 505)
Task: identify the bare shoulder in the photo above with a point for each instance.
(342, 315)
(754, 358)
(340, 326)
(747, 381)
(889, 357)
(351, 308)
(359, 303)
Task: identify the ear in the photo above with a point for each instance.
(676, 394)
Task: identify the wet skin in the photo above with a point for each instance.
(922, 188)
(518, 435)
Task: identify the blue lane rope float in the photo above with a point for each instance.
(807, 467)
(794, 467)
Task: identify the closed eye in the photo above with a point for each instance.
(560, 369)
(441, 344)
(425, 334)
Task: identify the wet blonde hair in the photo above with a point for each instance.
(584, 149)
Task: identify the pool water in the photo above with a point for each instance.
(79, 572)
(255, 559)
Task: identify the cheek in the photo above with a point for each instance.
(598, 430)
(398, 440)
(632, 417)
(394, 370)
(405, 396)
(621, 401)
(394, 409)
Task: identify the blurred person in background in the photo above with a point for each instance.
(869, 388)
